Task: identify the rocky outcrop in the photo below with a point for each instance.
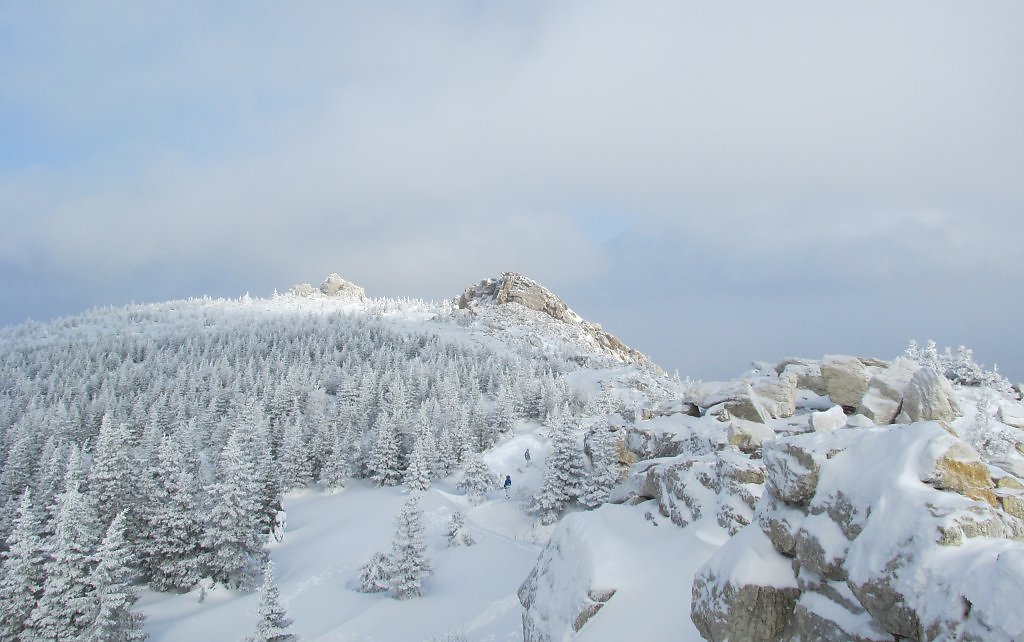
(333, 287)
(338, 288)
(724, 484)
(512, 288)
(564, 591)
(895, 532)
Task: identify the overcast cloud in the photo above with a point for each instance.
(713, 182)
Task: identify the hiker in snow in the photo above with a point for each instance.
(527, 456)
(508, 486)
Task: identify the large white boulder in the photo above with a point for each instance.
(846, 379)
(929, 397)
(884, 396)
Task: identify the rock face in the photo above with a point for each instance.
(894, 532)
(337, 287)
(514, 288)
(724, 484)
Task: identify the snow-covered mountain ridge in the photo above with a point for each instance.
(834, 498)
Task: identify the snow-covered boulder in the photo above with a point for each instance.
(828, 420)
(846, 379)
(725, 484)
(754, 399)
(746, 591)
(560, 596)
(733, 399)
(749, 436)
(929, 397)
(807, 373)
(1011, 415)
(884, 396)
(894, 531)
(777, 395)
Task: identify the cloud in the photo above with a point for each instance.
(839, 154)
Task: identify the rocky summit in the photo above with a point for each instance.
(514, 289)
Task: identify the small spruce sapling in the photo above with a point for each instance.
(458, 532)
(273, 619)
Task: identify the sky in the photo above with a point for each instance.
(713, 182)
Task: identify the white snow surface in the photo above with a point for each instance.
(329, 536)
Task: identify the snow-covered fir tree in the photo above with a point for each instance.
(479, 479)
(113, 619)
(563, 472)
(112, 476)
(458, 532)
(409, 563)
(296, 465)
(417, 475)
(375, 574)
(64, 609)
(273, 622)
(233, 534)
(385, 460)
(340, 464)
(21, 575)
(605, 469)
(172, 553)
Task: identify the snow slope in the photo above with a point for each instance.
(328, 536)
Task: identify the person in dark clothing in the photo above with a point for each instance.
(527, 456)
(508, 486)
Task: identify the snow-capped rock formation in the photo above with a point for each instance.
(333, 287)
(869, 534)
(844, 525)
(511, 290)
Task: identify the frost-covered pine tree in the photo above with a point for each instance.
(458, 532)
(930, 357)
(68, 596)
(273, 622)
(604, 468)
(172, 552)
(21, 576)
(410, 565)
(385, 461)
(233, 534)
(563, 474)
(478, 480)
(114, 619)
(375, 575)
(417, 475)
(112, 477)
(339, 466)
(295, 464)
